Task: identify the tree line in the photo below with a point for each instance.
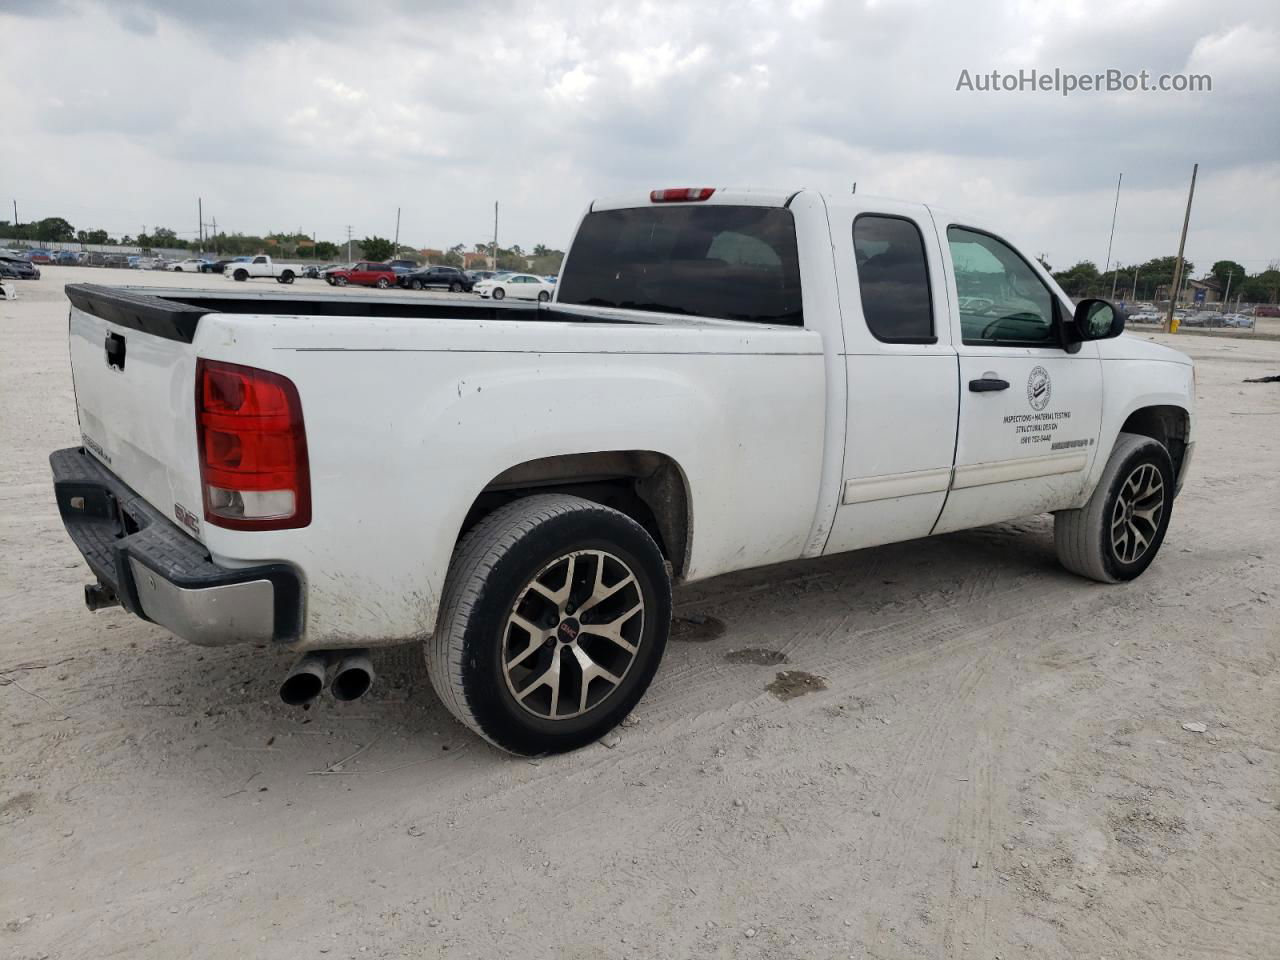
(299, 246)
(1140, 281)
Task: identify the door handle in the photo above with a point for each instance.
(987, 385)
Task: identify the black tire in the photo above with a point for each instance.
(240, 275)
(499, 293)
(382, 283)
(340, 281)
(286, 277)
(1083, 537)
(455, 287)
(329, 280)
(491, 570)
(543, 296)
(415, 284)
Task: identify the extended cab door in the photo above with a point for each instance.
(901, 366)
(260, 267)
(1030, 407)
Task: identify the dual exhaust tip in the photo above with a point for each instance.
(352, 676)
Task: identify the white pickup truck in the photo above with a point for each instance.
(262, 265)
(725, 379)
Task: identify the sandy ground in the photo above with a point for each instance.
(997, 766)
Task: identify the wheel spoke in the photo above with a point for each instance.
(612, 631)
(537, 637)
(559, 597)
(590, 671)
(600, 592)
(548, 678)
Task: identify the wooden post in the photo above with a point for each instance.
(1170, 326)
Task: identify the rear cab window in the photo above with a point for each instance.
(723, 261)
(893, 278)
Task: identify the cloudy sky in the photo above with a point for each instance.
(318, 115)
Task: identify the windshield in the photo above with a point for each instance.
(728, 262)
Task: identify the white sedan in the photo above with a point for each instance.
(520, 286)
(189, 265)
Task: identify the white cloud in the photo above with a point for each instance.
(318, 119)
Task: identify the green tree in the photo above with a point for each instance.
(326, 250)
(1262, 287)
(93, 236)
(1228, 271)
(54, 230)
(1079, 280)
(376, 248)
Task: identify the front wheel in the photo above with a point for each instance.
(240, 275)
(415, 284)
(1117, 534)
(543, 296)
(499, 293)
(382, 283)
(455, 287)
(554, 617)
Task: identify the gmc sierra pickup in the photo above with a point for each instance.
(724, 379)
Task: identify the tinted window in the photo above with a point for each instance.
(1002, 301)
(894, 279)
(730, 262)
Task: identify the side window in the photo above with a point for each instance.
(893, 276)
(259, 259)
(1002, 301)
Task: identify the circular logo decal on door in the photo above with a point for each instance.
(1039, 388)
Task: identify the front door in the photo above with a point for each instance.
(1030, 408)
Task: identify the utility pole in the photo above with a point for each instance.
(200, 220)
(1114, 211)
(1169, 325)
(215, 235)
(1227, 294)
(1134, 297)
(348, 243)
(395, 248)
(495, 235)
(15, 212)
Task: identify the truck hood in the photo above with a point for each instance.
(1130, 347)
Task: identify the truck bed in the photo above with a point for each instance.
(175, 313)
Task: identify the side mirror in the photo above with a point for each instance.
(1097, 320)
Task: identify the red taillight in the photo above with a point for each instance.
(680, 194)
(253, 448)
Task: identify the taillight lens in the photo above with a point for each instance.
(253, 448)
(680, 194)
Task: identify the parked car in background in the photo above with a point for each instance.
(261, 266)
(316, 271)
(7, 270)
(22, 268)
(218, 266)
(189, 265)
(117, 260)
(518, 286)
(363, 274)
(40, 255)
(403, 267)
(1238, 320)
(67, 258)
(478, 275)
(1145, 316)
(450, 278)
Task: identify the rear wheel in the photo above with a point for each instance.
(382, 283)
(553, 621)
(415, 284)
(455, 287)
(543, 296)
(1117, 534)
(499, 293)
(286, 277)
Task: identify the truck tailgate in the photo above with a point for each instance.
(133, 367)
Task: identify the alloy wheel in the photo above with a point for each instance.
(1138, 510)
(573, 634)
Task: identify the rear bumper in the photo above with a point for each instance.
(159, 573)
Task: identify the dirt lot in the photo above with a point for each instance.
(994, 763)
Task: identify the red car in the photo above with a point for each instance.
(378, 275)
